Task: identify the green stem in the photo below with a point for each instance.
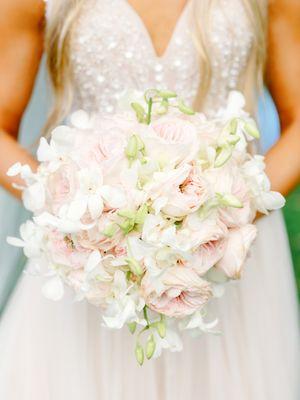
(150, 103)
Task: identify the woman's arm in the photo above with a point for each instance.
(21, 46)
(283, 78)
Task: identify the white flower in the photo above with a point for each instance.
(88, 196)
(62, 223)
(259, 184)
(123, 307)
(32, 239)
(171, 341)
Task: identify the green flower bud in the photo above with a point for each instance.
(184, 108)
(127, 226)
(233, 139)
(110, 230)
(134, 266)
(131, 150)
(141, 214)
(139, 354)
(161, 328)
(140, 143)
(223, 155)
(150, 347)
(132, 327)
(233, 125)
(252, 130)
(127, 214)
(167, 94)
(229, 200)
(139, 112)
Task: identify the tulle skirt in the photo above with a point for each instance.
(60, 351)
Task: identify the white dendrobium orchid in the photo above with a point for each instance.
(63, 224)
(60, 146)
(123, 307)
(259, 183)
(88, 196)
(171, 341)
(32, 239)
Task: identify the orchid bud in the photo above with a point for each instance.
(233, 139)
(150, 347)
(223, 156)
(166, 94)
(252, 130)
(134, 266)
(139, 354)
(140, 144)
(127, 214)
(229, 200)
(141, 214)
(161, 328)
(184, 108)
(139, 112)
(127, 226)
(132, 327)
(110, 230)
(233, 125)
(131, 150)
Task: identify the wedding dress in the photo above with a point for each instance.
(59, 351)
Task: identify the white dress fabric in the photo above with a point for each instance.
(59, 351)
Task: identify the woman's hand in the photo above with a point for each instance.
(283, 78)
(21, 46)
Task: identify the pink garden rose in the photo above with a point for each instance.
(208, 254)
(61, 185)
(64, 251)
(228, 180)
(184, 292)
(95, 238)
(238, 244)
(174, 130)
(187, 196)
(171, 139)
(105, 146)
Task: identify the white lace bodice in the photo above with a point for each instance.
(112, 53)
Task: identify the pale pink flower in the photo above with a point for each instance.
(228, 180)
(171, 140)
(96, 238)
(208, 254)
(237, 248)
(61, 185)
(97, 292)
(187, 196)
(64, 252)
(184, 292)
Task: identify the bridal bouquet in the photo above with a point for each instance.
(146, 214)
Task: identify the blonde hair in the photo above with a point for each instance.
(62, 19)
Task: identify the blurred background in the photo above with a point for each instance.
(12, 214)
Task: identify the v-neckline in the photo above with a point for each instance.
(146, 32)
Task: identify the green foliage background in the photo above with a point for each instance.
(292, 218)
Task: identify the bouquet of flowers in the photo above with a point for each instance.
(146, 214)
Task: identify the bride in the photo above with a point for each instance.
(202, 49)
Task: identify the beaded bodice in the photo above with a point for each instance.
(112, 53)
